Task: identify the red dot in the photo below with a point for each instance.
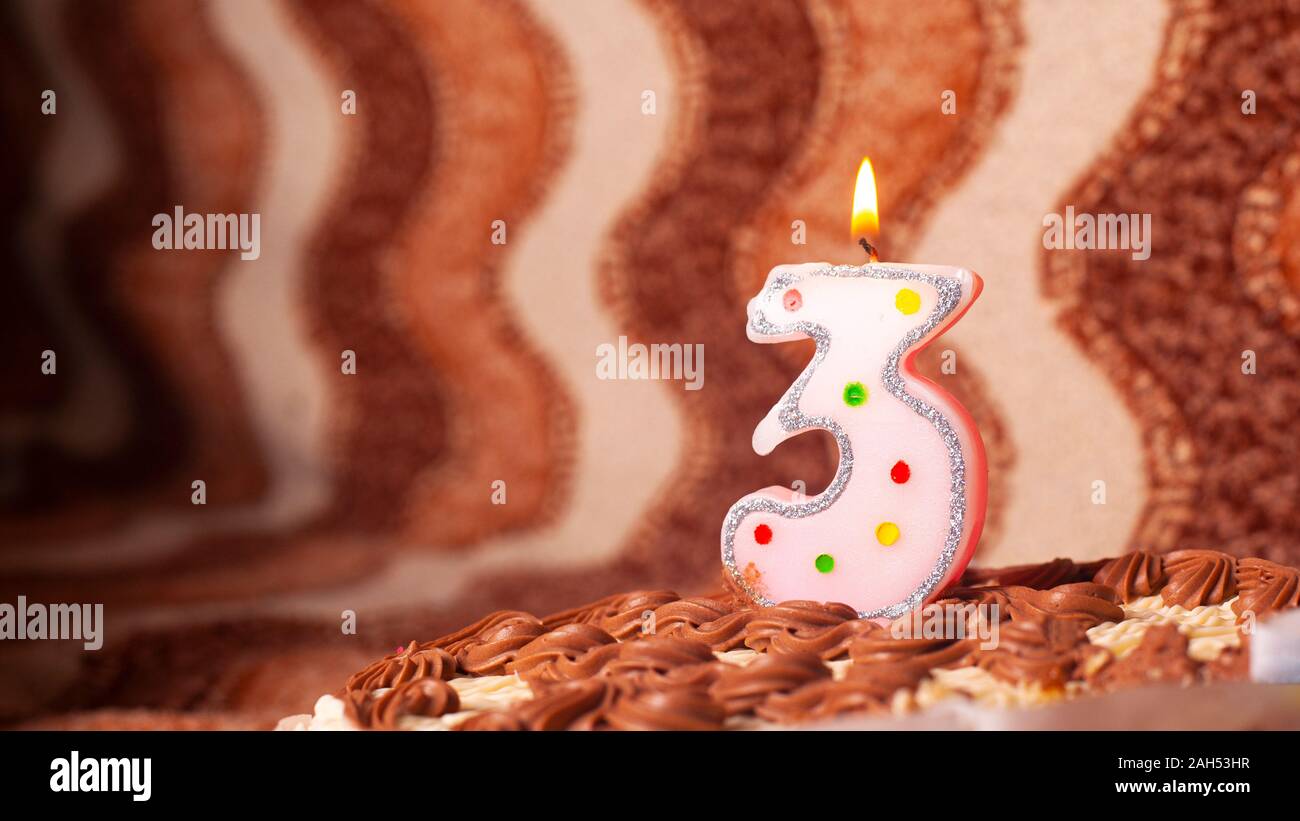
(900, 472)
(762, 534)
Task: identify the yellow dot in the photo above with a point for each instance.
(887, 533)
(908, 301)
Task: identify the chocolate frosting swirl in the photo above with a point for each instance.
(672, 709)
(357, 707)
(1133, 575)
(1034, 651)
(690, 612)
(659, 654)
(830, 643)
(421, 697)
(413, 662)
(569, 705)
(698, 676)
(1084, 602)
(725, 633)
(985, 597)
(586, 665)
(455, 643)
(498, 646)
(883, 665)
(624, 618)
(822, 700)
(1265, 586)
(418, 697)
(741, 689)
(663, 662)
(794, 617)
(884, 680)
(882, 649)
(654, 661)
(539, 657)
(1161, 657)
(1199, 577)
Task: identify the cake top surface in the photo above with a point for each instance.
(656, 660)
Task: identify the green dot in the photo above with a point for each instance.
(825, 563)
(855, 393)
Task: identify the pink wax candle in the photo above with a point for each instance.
(902, 516)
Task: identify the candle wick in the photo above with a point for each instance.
(869, 248)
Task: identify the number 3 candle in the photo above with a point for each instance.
(902, 516)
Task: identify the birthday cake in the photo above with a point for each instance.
(1018, 637)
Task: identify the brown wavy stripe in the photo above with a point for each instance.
(384, 207)
(878, 99)
(507, 415)
(1223, 461)
(213, 131)
(676, 283)
(63, 493)
(386, 415)
(200, 139)
(162, 297)
(250, 565)
(28, 327)
(388, 420)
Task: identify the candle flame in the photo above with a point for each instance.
(866, 213)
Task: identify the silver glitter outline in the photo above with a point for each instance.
(793, 420)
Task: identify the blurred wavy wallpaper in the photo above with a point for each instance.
(363, 404)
